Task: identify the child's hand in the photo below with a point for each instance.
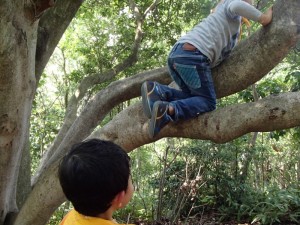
(266, 17)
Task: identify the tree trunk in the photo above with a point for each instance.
(18, 47)
(17, 85)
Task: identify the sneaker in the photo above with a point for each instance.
(149, 96)
(159, 118)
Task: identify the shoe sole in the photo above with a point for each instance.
(152, 121)
(146, 105)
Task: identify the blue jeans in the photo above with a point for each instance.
(192, 73)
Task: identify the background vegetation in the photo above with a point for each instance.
(254, 178)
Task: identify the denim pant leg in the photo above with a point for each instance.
(191, 71)
(171, 94)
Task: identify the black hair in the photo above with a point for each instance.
(92, 173)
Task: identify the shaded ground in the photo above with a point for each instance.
(205, 220)
(197, 222)
(208, 222)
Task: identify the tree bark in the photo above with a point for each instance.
(220, 126)
(17, 82)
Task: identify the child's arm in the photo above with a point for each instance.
(248, 11)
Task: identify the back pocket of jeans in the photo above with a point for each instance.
(189, 75)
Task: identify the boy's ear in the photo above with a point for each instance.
(118, 200)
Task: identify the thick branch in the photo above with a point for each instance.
(220, 126)
(256, 56)
(98, 108)
(48, 196)
(52, 25)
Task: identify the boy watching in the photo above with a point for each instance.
(95, 177)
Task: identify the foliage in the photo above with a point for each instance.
(278, 206)
(47, 115)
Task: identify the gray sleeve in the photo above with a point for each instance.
(241, 8)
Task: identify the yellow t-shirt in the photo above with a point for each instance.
(75, 218)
